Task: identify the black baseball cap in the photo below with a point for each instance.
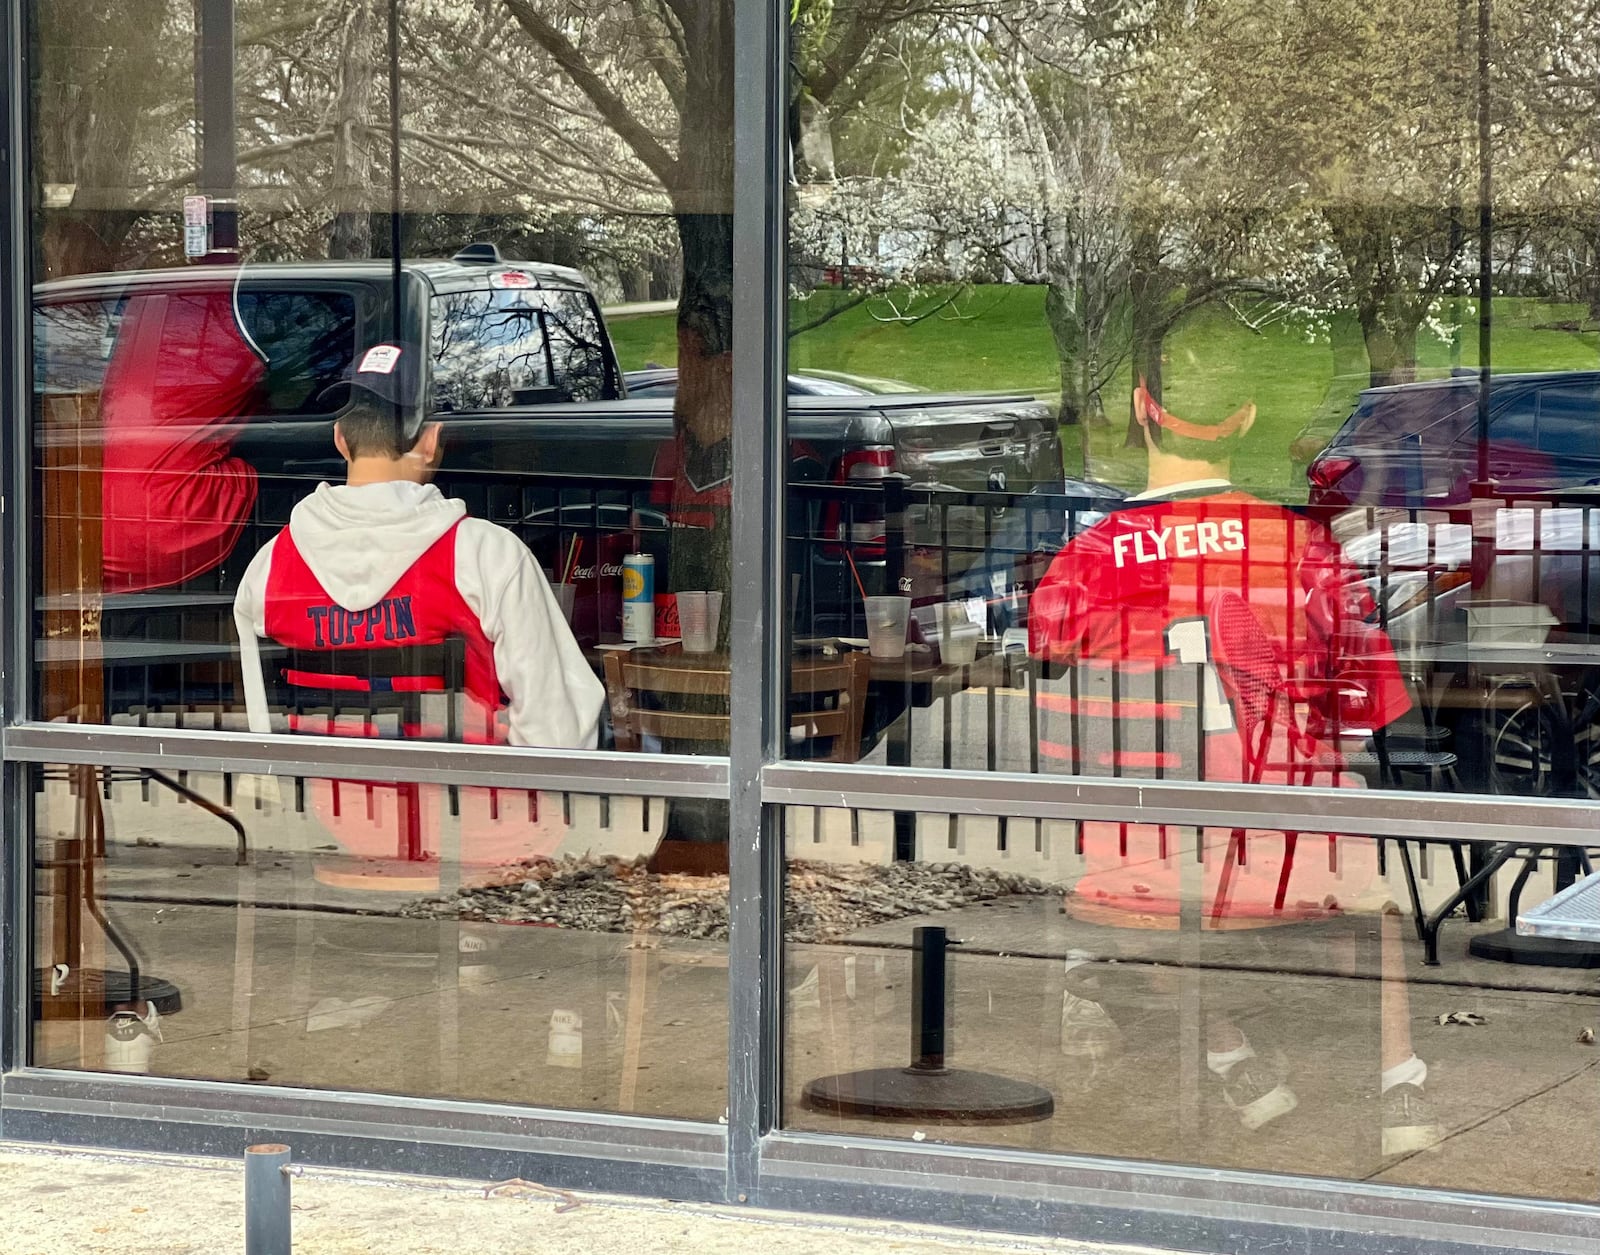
(393, 373)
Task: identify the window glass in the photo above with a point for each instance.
(1569, 421)
(413, 931)
(307, 341)
(223, 328)
(1196, 309)
(72, 342)
(329, 438)
(497, 348)
(1244, 998)
(1144, 438)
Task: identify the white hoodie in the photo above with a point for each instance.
(359, 541)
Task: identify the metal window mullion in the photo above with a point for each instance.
(16, 530)
(421, 762)
(1359, 812)
(759, 630)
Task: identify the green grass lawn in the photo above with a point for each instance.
(996, 339)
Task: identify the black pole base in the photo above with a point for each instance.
(1506, 946)
(947, 1096)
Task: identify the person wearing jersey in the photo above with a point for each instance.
(1199, 632)
(385, 560)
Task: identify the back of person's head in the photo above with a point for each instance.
(373, 429)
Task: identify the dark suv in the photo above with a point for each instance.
(1416, 445)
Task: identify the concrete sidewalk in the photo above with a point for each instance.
(58, 1202)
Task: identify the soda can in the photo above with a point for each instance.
(639, 598)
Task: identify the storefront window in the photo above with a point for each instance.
(1243, 998)
(1146, 370)
(334, 312)
(1219, 407)
(503, 945)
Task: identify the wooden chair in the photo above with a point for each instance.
(677, 701)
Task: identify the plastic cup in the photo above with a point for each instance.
(958, 645)
(886, 626)
(566, 597)
(699, 617)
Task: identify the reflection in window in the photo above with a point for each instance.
(517, 347)
(307, 339)
(72, 342)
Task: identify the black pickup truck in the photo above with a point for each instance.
(208, 396)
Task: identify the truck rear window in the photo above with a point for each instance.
(502, 347)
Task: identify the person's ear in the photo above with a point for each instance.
(430, 443)
(341, 444)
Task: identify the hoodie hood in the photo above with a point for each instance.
(359, 541)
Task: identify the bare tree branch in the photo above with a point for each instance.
(572, 62)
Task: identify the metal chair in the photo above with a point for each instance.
(379, 693)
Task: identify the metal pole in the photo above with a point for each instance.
(266, 1200)
(1485, 247)
(760, 631)
(928, 972)
(394, 170)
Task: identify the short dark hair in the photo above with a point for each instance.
(373, 428)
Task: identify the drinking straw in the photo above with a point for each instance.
(572, 557)
(860, 587)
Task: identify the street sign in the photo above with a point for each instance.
(196, 225)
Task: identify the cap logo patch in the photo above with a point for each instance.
(381, 359)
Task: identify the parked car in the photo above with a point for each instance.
(662, 381)
(207, 396)
(1417, 444)
(1438, 547)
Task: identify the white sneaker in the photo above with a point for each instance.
(1087, 1031)
(1255, 1089)
(130, 1040)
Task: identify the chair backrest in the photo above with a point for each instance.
(828, 701)
(328, 690)
(680, 699)
(1245, 659)
(1253, 680)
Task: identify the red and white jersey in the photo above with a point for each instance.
(391, 564)
(422, 607)
(1128, 614)
(1116, 592)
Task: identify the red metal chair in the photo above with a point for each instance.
(1266, 702)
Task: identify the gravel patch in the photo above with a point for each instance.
(825, 901)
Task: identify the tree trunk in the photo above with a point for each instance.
(702, 197)
(1066, 329)
(352, 157)
(1148, 291)
(1391, 340)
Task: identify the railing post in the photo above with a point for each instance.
(266, 1200)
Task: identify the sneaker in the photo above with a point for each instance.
(473, 966)
(130, 1039)
(1408, 1123)
(1087, 1031)
(1255, 1089)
